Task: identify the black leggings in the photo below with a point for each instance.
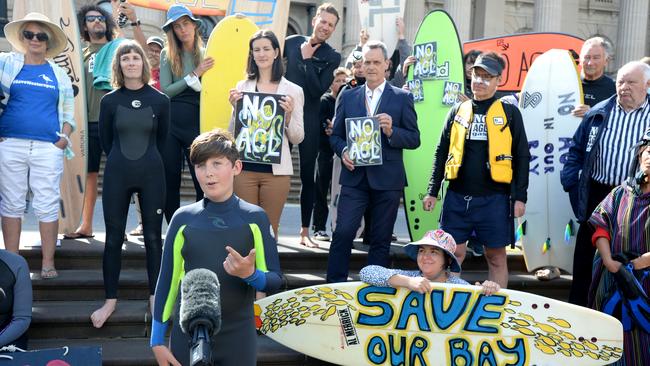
(121, 179)
(583, 257)
(323, 182)
(308, 149)
(183, 131)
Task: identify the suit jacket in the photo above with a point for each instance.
(292, 134)
(399, 105)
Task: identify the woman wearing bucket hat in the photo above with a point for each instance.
(434, 254)
(35, 122)
(181, 66)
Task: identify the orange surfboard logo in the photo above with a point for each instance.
(520, 50)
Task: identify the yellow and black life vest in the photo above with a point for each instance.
(499, 142)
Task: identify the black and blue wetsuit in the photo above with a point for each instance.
(133, 125)
(15, 299)
(196, 238)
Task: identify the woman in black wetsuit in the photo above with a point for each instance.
(133, 124)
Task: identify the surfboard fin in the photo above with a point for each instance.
(568, 231)
(546, 246)
(521, 231)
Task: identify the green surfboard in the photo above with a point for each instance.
(436, 41)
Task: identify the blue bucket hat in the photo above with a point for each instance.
(177, 11)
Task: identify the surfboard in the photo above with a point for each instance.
(356, 324)
(379, 17)
(335, 193)
(266, 14)
(73, 181)
(520, 51)
(436, 27)
(203, 7)
(551, 90)
(228, 45)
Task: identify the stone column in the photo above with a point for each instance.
(151, 20)
(461, 13)
(336, 40)
(489, 18)
(352, 28)
(632, 30)
(547, 16)
(414, 12)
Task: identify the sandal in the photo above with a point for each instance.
(137, 231)
(49, 273)
(548, 273)
(77, 235)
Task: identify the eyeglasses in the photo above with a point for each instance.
(41, 37)
(486, 77)
(92, 18)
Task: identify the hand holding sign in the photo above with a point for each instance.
(286, 102)
(386, 123)
(235, 96)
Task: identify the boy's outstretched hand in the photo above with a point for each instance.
(236, 265)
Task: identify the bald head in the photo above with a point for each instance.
(632, 82)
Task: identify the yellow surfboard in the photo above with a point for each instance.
(228, 45)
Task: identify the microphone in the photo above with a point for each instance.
(200, 313)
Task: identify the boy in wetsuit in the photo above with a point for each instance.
(227, 235)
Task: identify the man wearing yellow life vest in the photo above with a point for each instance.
(483, 153)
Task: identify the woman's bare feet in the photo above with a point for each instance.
(101, 315)
(305, 239)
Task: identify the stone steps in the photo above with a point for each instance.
(63, 305)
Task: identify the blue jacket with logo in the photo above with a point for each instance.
(576, 173)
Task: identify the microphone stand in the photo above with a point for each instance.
(201, 346)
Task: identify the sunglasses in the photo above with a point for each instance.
(92, 18)
(41, 37)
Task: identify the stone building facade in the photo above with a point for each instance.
(623, 22)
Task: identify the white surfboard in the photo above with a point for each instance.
(73, 181)
(379, 17)
(356, 324)
(551, 90)
(335, 193)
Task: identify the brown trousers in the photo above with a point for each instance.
(265, 190)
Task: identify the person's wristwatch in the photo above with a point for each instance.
(136, 23)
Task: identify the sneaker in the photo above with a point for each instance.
(321, 235)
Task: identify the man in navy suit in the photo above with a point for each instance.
(378, 187)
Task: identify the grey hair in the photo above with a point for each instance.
(637, 64)
(43, 28)
(599, 41)
(371, 45)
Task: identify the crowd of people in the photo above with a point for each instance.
(143, 113)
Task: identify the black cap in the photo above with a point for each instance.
(488, 63)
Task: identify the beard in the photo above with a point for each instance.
(99, 34)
